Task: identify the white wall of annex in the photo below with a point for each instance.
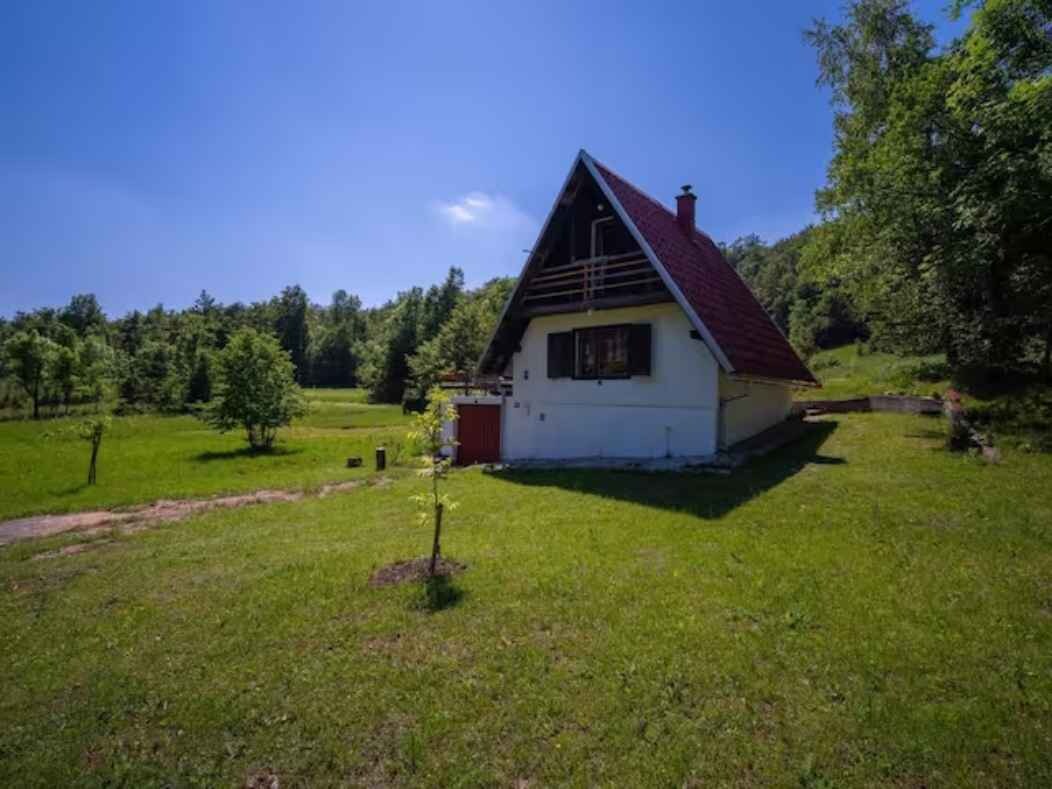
(750, 407)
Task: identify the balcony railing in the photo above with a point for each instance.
(593, 279)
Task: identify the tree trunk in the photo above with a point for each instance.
(94, 457)
(36, 401)
(436, 549)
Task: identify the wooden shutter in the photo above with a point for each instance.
(639, 349)
(560, 355)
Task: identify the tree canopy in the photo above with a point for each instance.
(938, 206)
(168, 360)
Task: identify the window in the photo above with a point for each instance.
(600, 352)
(604, 235)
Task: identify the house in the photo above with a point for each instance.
(628, 335)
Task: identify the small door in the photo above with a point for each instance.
(478, 431)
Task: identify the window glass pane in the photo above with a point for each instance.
(613, 354)
(602, 352)
(586, 356)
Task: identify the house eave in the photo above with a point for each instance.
(529, 262)
(760, 379)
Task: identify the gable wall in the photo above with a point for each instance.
(672, 411)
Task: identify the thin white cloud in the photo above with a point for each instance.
(485, 232)
(478, 209)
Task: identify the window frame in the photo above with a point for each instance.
(626, 328)
(595, 233)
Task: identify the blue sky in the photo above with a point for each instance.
(149, 150)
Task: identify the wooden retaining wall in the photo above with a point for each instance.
(895, 403)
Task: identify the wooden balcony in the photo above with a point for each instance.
(614, 280)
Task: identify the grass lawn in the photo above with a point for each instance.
(844, 373)
(144, 458)
(862, 609)
(347, 409)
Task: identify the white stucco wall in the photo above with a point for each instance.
(750, 407)
(673, 411)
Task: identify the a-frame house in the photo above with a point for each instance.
(628, 336)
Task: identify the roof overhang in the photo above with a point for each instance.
(534, 250)
(759, 379)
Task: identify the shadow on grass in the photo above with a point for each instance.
(70, 490)
(245, 452)
(438, 593)
(702, 495)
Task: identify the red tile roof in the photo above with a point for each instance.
(738, 323)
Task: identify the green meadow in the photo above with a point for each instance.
(859, 609)
(144, 458)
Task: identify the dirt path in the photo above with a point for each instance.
(134, 518)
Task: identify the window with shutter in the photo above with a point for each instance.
(639, 349)
(560, 355)
(618, 351)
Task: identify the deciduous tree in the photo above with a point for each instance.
(292, 328)
(255, 389)
(62, 367)
(28, 358)
(429, 432)
(939, 196)
(92, 430)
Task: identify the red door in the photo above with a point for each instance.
(478, 431)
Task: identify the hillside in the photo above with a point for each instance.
(1017, 411)
(849, 371)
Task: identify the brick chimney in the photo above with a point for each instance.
(685, 210)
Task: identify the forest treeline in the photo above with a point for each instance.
(165, 359)
(935, 237)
